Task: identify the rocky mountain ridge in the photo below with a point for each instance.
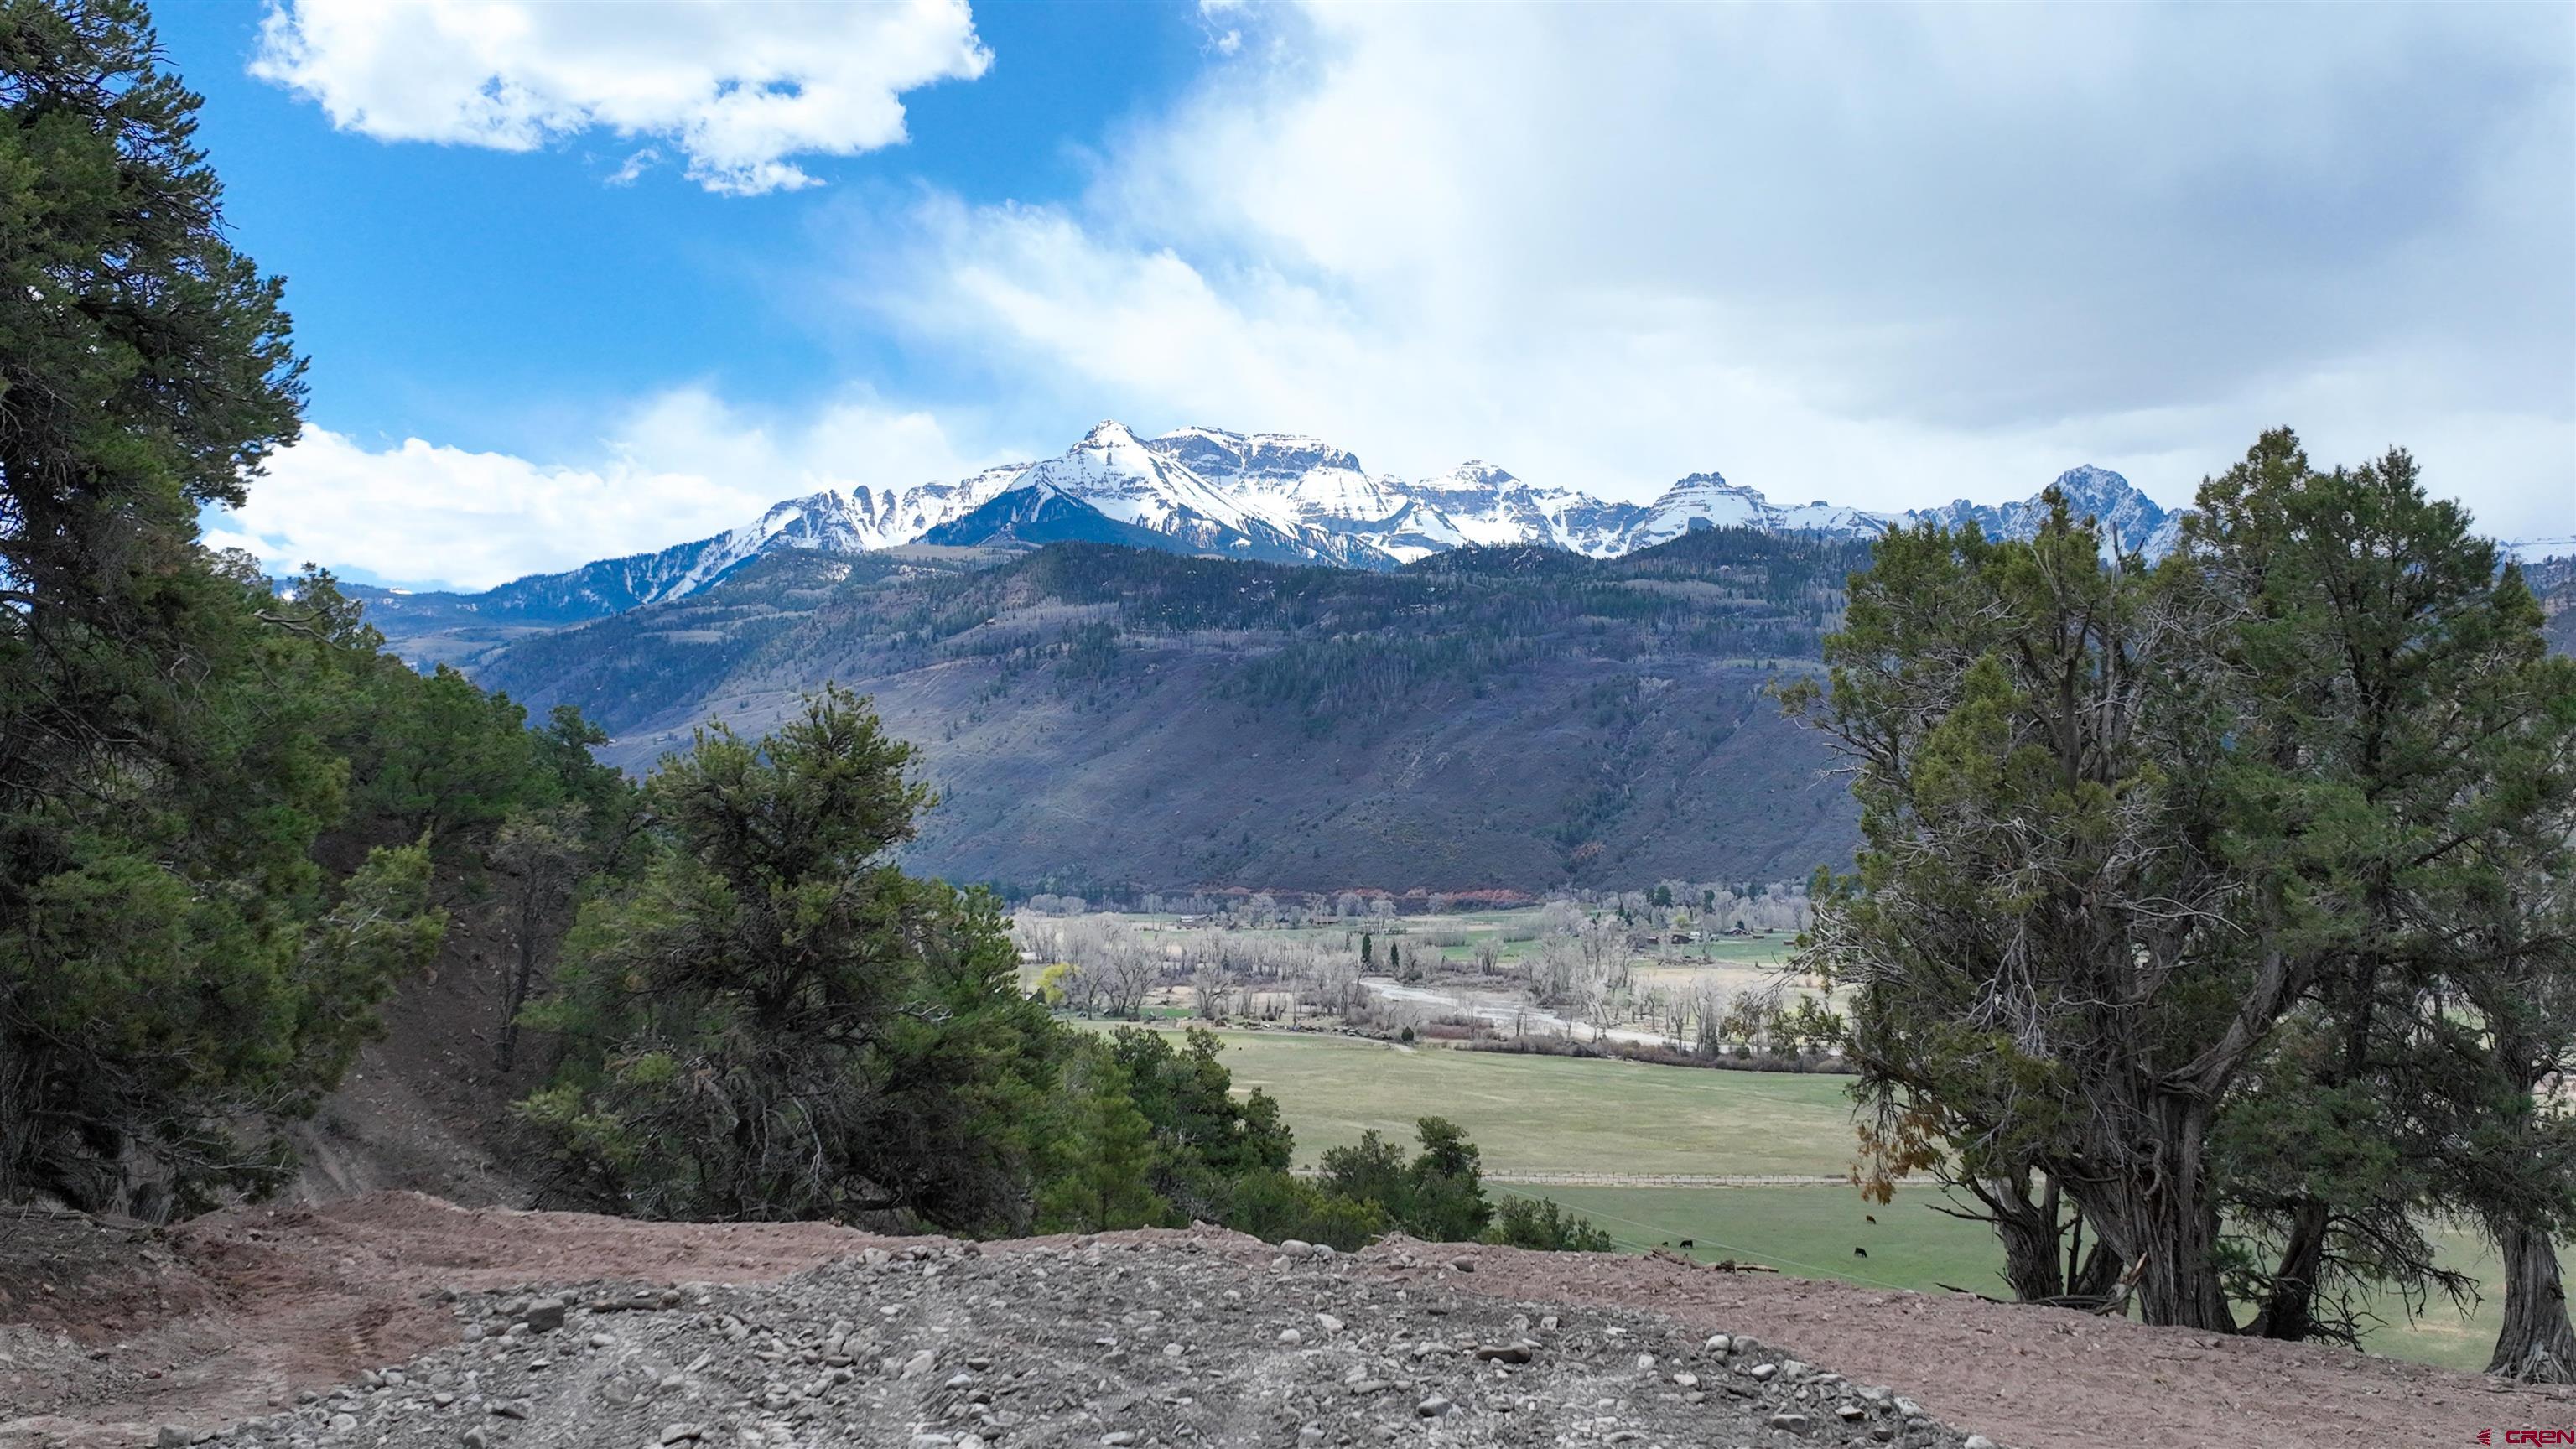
(1272, 497)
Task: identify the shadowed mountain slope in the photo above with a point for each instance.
(1093, 715)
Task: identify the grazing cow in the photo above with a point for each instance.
(1869, 1217)
(1690, 1242)
(1860, 1252)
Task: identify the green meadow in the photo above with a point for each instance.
(1557, 1114)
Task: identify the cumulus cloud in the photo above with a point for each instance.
(740, 91)
(1884, 256)
(682, 466)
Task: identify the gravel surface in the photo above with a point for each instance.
(1169, 1342)
(110, 1333)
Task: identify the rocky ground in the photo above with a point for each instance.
(1186, 1341)
(395, 1319)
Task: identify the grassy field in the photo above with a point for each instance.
(1811, 1231)
(1531, 1114)
(1551, 1113)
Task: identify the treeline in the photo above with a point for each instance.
(2214, 930)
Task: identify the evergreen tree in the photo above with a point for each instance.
(1369, 1171)
(180, 975)
(1446, 1185)
(2166, 876)
(1439, 1195)
(776, 1022)
(1107, 1163)
(2409, 745)
(1205, 1136)
(1540, 1223)
(2018, 935)
(1274, 1206)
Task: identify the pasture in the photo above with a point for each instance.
(1556, 1114)
(1811, 1231)
(1551, 1114)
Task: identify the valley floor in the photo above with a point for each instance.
(114, 1332)
(1746, 1165)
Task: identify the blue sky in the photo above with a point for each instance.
(497, 300)
(579, 280)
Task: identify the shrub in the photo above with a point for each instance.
(1528, 1222)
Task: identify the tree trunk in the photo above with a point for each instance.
(2029, 1233)
(2157, 1217)
(2289, 1310)
(2046, 1259)
(2099, 1276)
(2537, 1344)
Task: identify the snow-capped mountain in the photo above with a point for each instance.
(1270, 496)
(1037, 515)
(1487, 506)
(837, 520)
(2134, 519)
(1116, 473)
(1707, 500)
(1288, 478)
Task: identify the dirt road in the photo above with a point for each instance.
(113, 1331)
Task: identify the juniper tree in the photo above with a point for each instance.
(777, 1022)
(1204, 1135)
(2024, 935)
(179, 974)
(2142, 847)
(2401, 798)
(1105, 1160)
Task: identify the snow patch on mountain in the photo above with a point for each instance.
(1280, 497)
(2130, 520)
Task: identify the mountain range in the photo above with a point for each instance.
(1122, 668)
(1266, 497)
(1094, 717)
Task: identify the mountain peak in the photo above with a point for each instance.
(2088, 482)
(1477, 472)
(1290, 498)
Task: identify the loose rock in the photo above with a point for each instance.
(1116, 1344)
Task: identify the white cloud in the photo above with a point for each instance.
(680, 467)
(1877, 255)
(739, 90)
(1881, 256)
(634, 166)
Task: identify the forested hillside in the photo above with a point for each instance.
(1096, 716)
